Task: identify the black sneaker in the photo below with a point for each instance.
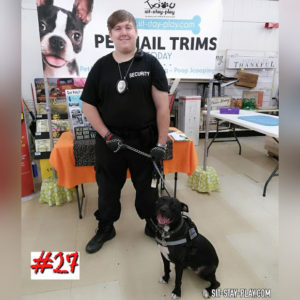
(103, 234)
(149, 229)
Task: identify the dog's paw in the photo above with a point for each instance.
(174, 296)
(176, 293)
(205, 294)
(161, 280)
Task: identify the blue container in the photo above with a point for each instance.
(34, 169)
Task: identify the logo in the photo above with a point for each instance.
(139, 74)
(54, 265)
(158, 8)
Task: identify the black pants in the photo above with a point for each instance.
(111, 169)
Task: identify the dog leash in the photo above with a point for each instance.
(154, 163)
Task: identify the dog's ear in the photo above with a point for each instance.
(43, 2)
(83, 9)
(184, 207)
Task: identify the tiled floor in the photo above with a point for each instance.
(242, 225)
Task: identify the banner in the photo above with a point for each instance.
(26, 169)
(182, 35)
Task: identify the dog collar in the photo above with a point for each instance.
(171, 243)
(188, 236)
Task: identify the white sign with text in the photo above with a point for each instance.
(182, 35)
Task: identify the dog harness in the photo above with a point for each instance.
(188, 235)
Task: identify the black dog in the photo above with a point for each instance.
(61, 36)
(180, 243)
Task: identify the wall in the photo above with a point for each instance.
(243, 30)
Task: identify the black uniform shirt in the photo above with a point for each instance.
(135, 108)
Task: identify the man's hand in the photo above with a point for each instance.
(158, 152)
(113, 142)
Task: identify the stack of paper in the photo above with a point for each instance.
(179, 136)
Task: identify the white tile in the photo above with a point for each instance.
(101, 291)
(228, 9)
(256, 10)
(61, 295)
(260, 255)
(226, 36)
(253, 36)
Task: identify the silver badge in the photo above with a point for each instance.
(121, 86)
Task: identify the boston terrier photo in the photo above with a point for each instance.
(61, 36)
(180, 243)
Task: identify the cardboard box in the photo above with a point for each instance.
(236, 102)
(247, 79)
(189, 116)
(271, 146)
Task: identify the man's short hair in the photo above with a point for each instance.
(118, 16)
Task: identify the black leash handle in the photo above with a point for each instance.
(154, 163)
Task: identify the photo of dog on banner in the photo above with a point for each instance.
(61, 35)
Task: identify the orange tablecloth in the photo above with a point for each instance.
(62, 159)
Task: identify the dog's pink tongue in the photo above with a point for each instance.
(162, 220)
(55, 61)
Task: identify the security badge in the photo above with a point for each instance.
(122, 86)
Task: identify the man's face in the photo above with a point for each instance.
(124, 36)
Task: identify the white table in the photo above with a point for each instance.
(272, 131)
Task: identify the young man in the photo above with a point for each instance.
(125, 99)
